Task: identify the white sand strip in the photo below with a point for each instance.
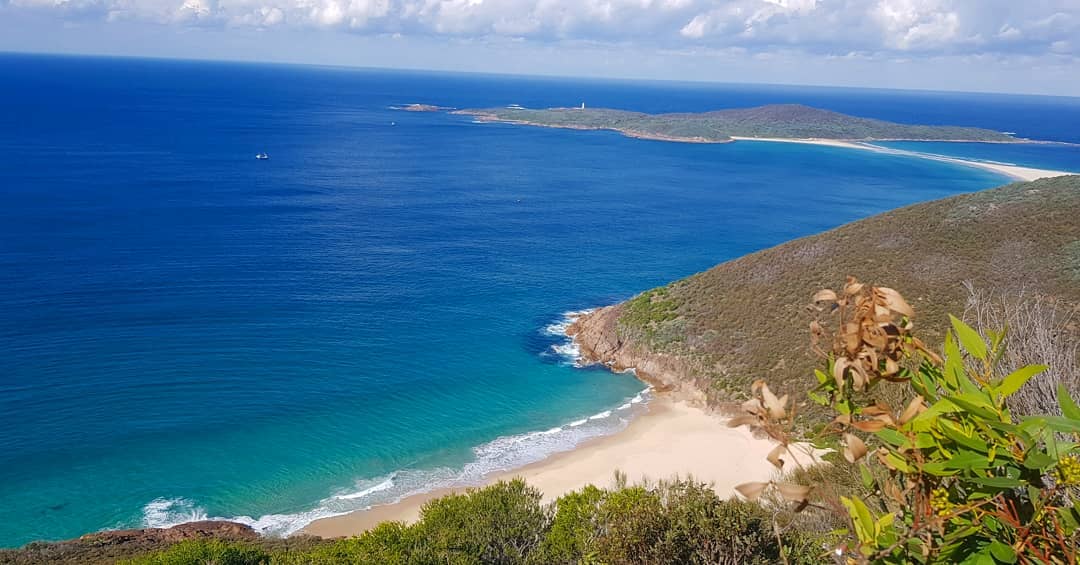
(671, 439)
(1014, 171)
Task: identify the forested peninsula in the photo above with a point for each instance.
(776, 121)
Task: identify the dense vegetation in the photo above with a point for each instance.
(506, 523)
(746, 319)
(780, 120)
(949, 474)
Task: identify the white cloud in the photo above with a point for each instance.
(830, 27)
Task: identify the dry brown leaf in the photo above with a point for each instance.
(893, 301)
(868, 425)
(772, 403)
(850, 336)
(839, 367)
(873, 335)
(887, 418)
(745, 420)
(774, 457)
(854, 448)
(852, 287)
(875, 410)
(751, 491)
(824, 295)
(893, 492)
(913, 408)
(793, 492)
(752, 406)
(858, 376)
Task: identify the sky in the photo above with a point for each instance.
(1021, 46)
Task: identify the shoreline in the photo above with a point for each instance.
(1013, 171)
(642, 450)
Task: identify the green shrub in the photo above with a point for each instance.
(632, 524)
(701, 528)
(574, 528)
(649, 310)
(681, 521)
(498, 524)
(206, 552)
(959, 478)
(389, 543)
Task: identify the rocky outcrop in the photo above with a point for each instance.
(423, 108)
(600, 340)
(190, 530)
(111, 546)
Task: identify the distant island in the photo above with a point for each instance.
(776, 121)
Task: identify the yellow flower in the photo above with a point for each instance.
(939, 501)
(1068, 470)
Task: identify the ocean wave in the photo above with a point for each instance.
(499, 455)
(168, 512)
(388, 483)
(566, 348)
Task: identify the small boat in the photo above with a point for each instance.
(262, 156)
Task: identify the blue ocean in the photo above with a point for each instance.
(376, 310)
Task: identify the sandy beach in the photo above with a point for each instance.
(672, 438)
(1014, 171)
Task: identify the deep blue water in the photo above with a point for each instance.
(186, 331)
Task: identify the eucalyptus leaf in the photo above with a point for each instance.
(1068, 405)
(1018, 378)
(969, 338)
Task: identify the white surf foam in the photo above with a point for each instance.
(567, 349)
(168, 512)
(386, 484)
(499, 455)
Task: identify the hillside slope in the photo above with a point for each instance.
(715, 332)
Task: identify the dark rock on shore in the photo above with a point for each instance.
(110, 546)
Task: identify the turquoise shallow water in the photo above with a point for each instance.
(189, 332)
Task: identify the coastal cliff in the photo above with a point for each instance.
(710, 335)
(600, 340)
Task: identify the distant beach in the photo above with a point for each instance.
(672, 438)
(1014, 171)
